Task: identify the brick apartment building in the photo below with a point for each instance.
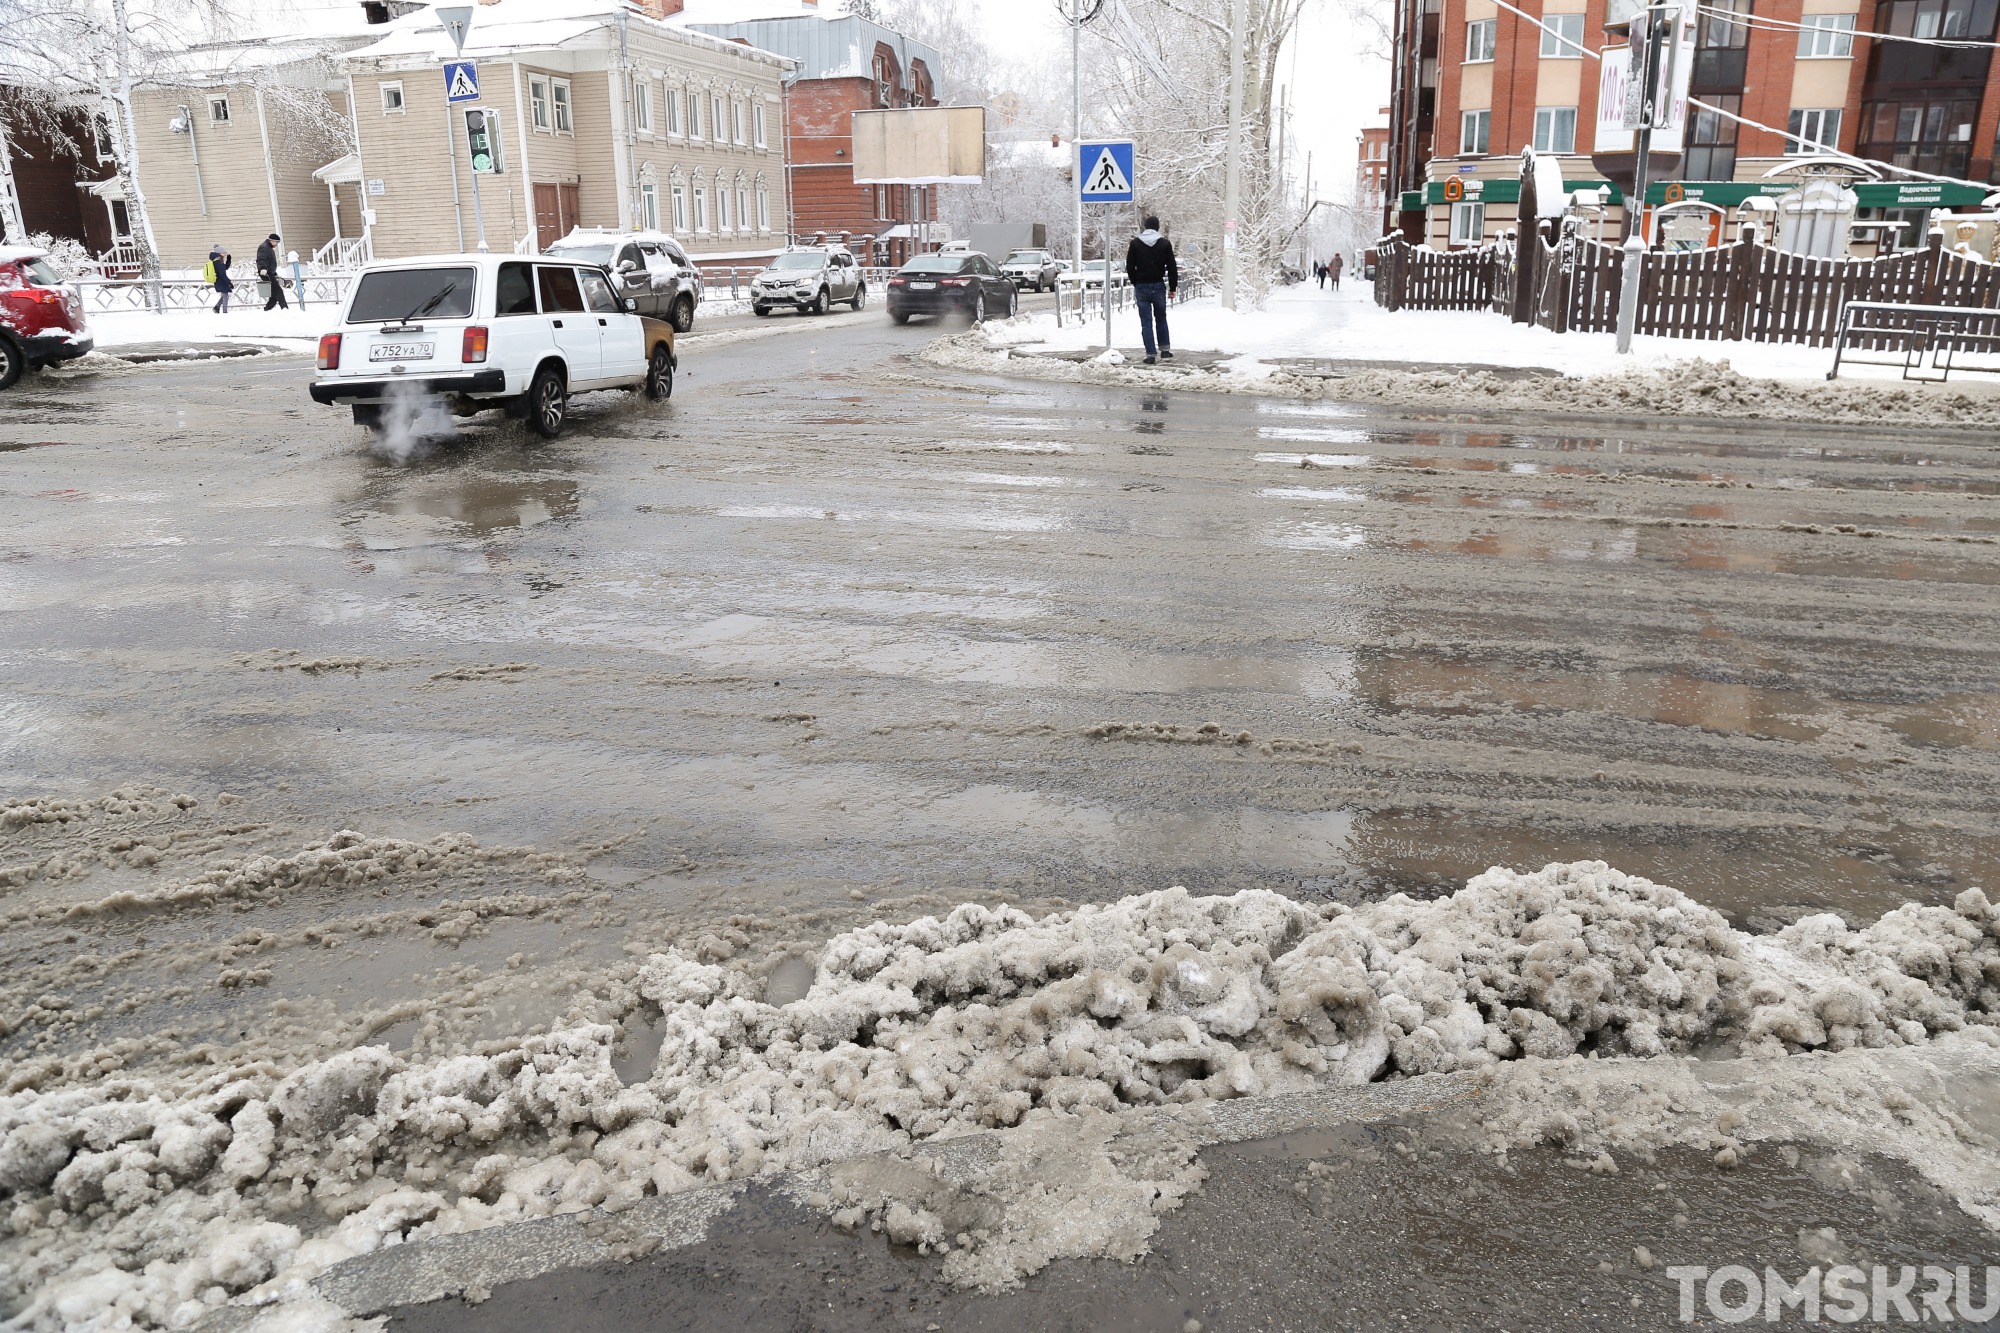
(1471, 80)
(845, 64)
(1371, 168)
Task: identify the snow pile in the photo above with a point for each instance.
(129, 1198)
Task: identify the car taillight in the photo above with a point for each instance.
(37, 295)
(899, 281)
(474, 350)
(954, 282)
(329, 351)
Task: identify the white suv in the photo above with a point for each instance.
(520, 333)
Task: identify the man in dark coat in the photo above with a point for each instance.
(267, 271)
(1334, 268)
(1155, 279)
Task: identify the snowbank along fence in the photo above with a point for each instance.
(1747, 291)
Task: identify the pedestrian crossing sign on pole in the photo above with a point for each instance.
(461, 81)
(1104, 171)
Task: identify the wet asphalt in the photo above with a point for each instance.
(832, 625)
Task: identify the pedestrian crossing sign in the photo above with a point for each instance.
(461, 81)
(1104, 171)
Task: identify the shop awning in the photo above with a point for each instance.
(344, 170)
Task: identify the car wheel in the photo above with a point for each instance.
(11, 363)
(548, 403)
(760, 311)
(979, 307)
(819, 304)
(660, 373)
(1013, 302)
(683, 315)
(860, 296)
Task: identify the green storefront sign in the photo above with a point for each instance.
(1897, 194)
(1505, 191)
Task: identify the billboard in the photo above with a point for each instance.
(927, 145)
(1617, 99)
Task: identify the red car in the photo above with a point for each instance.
(41, 321)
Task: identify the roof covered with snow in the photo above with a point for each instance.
(511, 26)
(827, 46)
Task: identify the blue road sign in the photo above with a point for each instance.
(1104, 171)
(461, 81)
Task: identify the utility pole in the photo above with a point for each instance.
(1658, 23)
(1076, 13)
(1232, 178)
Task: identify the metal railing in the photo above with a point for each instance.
(344, 253)
(1927, 341)
(121, 295)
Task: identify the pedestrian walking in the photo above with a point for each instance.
(1156, 279)
(1319, 271)
(218, 277)
(1335, 268)
(267, 271)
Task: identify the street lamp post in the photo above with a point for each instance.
(1076, 13)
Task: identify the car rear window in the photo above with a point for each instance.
(935, 264)
(560, 293)
(514, 293)
(412, 293)
(39, 274)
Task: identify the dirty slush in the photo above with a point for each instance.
(518, 903)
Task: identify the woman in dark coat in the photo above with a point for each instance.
(224, 284)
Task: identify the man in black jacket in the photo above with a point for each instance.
(1155, 278)
(267, 271)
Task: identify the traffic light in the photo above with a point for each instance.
(482, 140)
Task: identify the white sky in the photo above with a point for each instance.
(1334, 90)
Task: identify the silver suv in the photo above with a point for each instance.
(1034, 268)
(810, 279)
(648, 266)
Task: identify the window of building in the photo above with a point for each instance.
(1933, 135)
(1555, 129)
(649, 206)
(1562, 36)
(701, 208)
(538, 103)
(673, 109)
(1826, 36)
(722, 205)
(642, 107)
(1813, 130)
(742, 204)
(763, 206)
(1472, 128)
(218, 110)
(106, 150)
(718, 124)
(677, 193)
(559, 99)
(1722, 49)
(1937, 18)
(1479, 40)
(1468, 222)
(757, 125)
(1710, 153)
(694, 114)
(392, 98)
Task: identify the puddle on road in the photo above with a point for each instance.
(1761, 878)
(966, 520)
(1751, 552)
(1344, 494)
(1318, 537)
(1315, 460)
(782, 644)
(1400, 682)
(1317, 435)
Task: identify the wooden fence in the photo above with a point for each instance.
(1743, 291)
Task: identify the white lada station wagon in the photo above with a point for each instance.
(516, 332)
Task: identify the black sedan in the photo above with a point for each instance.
(965, 283)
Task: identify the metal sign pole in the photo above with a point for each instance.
(1107, 277)
(1642, 145)
(478, 215)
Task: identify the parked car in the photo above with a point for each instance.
(965, 282)
(648, 266)
(1091, 274)
(1031, 268)
(41, 320)
(489, 331)
(809, 280)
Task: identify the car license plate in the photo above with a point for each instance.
(923, 286)
(401, 351)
